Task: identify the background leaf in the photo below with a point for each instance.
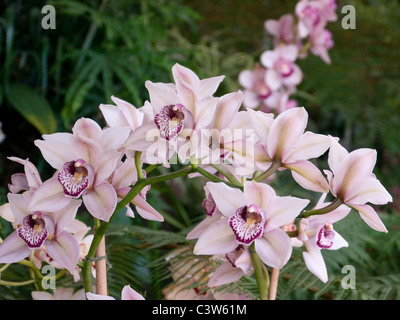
(33, 107)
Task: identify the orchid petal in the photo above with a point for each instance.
(309, 146)
(129, 294)
(64, 250)
(225, 273)
(101, 201)
(261, 123)
(87, 128)
(49, 196)
(227, 199)
(285, 132)
(369, 215)
(315, 263)
(218, 238)
(145, 210)
(308, 176)
(13, 249)
(371, 191)
(274, 248)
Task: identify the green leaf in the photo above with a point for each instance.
(33, 107)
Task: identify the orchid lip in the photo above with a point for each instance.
(74, 178)
(209, 205)
(247, 224)
(170, 121)
(33, 230)
(325, 236)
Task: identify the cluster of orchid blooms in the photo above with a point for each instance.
(239, 150)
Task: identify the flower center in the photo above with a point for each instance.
(74, 178)
(263, 91)
(284, 67)
(170, 121)
(33, 230)
(247, 223)
(325, 236)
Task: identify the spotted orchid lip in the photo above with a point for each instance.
(74, 178)
(247, 224)
(325, 236)
(33, 230)
(170, 121)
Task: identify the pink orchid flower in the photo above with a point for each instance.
(281, 29)
(321, 42)
(36, 229)
(124, 176)
(283, 139)
(254, 215)
(314, 14)
(317, 233)
(84, 161)
(281, 67)
(127, 294)
(352, 181)
(180, 110)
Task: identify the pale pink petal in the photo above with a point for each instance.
(162, 94)
(145, 210)
(101, 201)
(285, 132)
(274, 248)
(227, 199)
(106, 165)
(283, 210)
(288, 52)
(257, 193)
(64, 250)
(225, 273)
(125, 174)
(113, 115)
(273, 79)
(336, 153)
(18, 183)
(226, 109)
(369, 215)
(218, 238)
(143, 137)
(94, 296)
(203, 225)
(262, 123)
(64, 217)
(49, 196)
(87, 128)
(315, 263)
(272, 26)
(308, 176)
(207, 87)
(295, 78)
(251, 99)
(13, 249)
(19, 206)
(268, 58)
(353, 172)
(56, 148)
(371, 191)
(31, 172)
(113, 137)
(6, 213)
(338, 242)
(309, 146)
(133, 116)
(129, 294)
(246, 79)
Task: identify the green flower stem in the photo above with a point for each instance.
(231, 178)
(259, 273)
(138, 165)
(214, 178)
(330, 207)
(16, 284)
(269, 172)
